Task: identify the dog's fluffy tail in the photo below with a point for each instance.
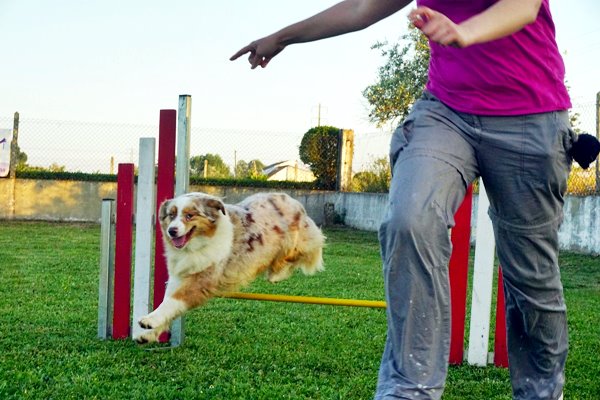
(311, 260)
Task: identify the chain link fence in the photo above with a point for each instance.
(98, 147)
(373, 147)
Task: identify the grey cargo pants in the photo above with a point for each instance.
(524, 164)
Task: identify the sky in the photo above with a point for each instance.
(122, 61)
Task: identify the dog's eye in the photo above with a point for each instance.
(188, 217)
(172, 215)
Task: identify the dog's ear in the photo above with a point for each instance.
(209, 206)
(162, 211)
(216, 204)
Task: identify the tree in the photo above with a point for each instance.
(251, 169)
(375, 179)
(401, 79)
(573, 116)
(216, 166)
(21, 161)
(22, 166)
(319, 150)
(55, 167)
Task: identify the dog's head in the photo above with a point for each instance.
(188, 216)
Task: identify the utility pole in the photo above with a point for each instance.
(319, 115)
(14, 145)
(235, 163)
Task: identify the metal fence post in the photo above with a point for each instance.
(14, 145)
(12, 168)
(598, 136)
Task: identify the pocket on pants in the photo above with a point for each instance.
(545, 153)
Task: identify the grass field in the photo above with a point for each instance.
(234, 349)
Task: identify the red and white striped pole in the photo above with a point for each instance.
(483, 273)
(500, 343)
(165, 189)
(123, 247)
(458, 275)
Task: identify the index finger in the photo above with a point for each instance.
(240, 52)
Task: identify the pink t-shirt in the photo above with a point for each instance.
(520, 74)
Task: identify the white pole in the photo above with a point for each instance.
(184, 123)
(482, 284)
(143, 232)
(182, 182)
(105, 286)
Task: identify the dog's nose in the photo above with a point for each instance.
(173, 232)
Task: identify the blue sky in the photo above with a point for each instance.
(122, 61)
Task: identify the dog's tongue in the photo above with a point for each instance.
(180, 241)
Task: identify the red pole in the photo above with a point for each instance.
(123, 246)
(458, 275)
(165, 189)
(500, 344)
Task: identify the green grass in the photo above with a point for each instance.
(234, 349)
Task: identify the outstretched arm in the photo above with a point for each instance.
(344, 17)
(501, 19)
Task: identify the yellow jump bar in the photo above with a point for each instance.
(307, 300)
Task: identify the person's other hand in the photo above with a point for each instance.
(438, 28)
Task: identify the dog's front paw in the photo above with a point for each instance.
(153, 328)
(147, 337)
(148, 322)
(141, 339)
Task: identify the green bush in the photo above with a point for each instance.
(65, 176)
(319, 150)
(375, 179)
(97, 177)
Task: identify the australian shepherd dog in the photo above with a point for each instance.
(212, 248)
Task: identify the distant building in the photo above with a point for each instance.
(289, 170)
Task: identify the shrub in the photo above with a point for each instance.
(319, 150)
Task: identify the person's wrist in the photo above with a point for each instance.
(282, 38)
(466, 35)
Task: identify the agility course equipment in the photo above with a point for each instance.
(114, 319)
(114, 312)
(306, 299)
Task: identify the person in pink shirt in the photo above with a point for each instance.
(495, 106)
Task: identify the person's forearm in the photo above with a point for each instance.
(502, 19)
(347, 16)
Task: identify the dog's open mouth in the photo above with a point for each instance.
(181, 241)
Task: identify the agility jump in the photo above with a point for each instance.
(114, 310)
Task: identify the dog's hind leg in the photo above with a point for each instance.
(282, 267)
(280, 272)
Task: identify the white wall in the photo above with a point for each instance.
(81, 201)
(580, 231)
